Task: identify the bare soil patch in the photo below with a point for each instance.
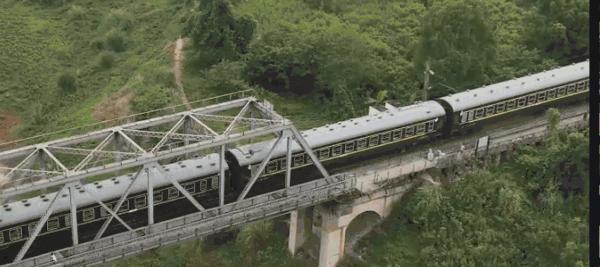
(115, 106)
(8, 121)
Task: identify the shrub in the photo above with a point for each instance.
(107, 60)
(115, 41)
(150, 98)
(67, 83)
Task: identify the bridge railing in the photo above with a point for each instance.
(126, 119)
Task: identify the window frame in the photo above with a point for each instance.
(158, 197)
(409, 131)
(501, 107)
(420, 129)
(17, 230)
(385, 137)
(55, 224)
(337, 150)
(511, 104)
(398, 134)
(203, 185)
(188, 186)
(298, 160)
(551, 93)
(171, 191)
(137, 199)
(324, 153)
(86, 216)
(490, 110)
(349, 147)
(374, 140)
(562, 91)
(362, 143)
(521, 102)
(531, 99)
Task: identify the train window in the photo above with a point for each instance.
(551, 93)
(361, 143)
(88, 214)
(158, 197)
(336, 150)
(541, 96)
(421, 128)
(111, 206)
(1, 237)
(124, 207)
(215, 181)
(67, 219)
(190, 187)
(308, 160)
(373, 140)
(531, 99)
(271, 167)
(464, 117)
(52, 224)
(15, 233)
(409, 131)
(299, 159)
(585, 85)
(580, 86)
(510, 104)
(430, 126)
(479, 113)
(470, 115)
(324, 153)
(140, 202)
(349, 147)
(562, 91)
(386, 137)
(521, 102)
(282, 163)
(489, 110)
(500, 107)
(397, 134)
(203, 185)
(571, 89)
(172, 193)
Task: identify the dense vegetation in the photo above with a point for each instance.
(65, 61)
(531, 211)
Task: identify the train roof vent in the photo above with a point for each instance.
(65, 195)
(213, 164)
(199, 166)
(183, 166)
(46, 200)
(27, 204)
(99, 186)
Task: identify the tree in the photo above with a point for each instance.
(560, 29)
(458, 43)
(217, 34)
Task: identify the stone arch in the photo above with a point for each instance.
(362, 224)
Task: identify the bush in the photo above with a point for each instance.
(150, 98)
(115, 41)
(107, 60)
(66, 81)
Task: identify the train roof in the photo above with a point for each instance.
(106, 189)
(515, 87)
(344, 130)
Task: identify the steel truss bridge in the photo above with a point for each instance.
(142, 147)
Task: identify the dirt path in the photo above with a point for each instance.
(178, 70)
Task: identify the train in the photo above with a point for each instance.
(336, 145)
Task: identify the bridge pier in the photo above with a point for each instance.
(300, 228)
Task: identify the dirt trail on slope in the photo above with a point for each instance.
(178, 70)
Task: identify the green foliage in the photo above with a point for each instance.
(67, 83)
(520, 213)
(459, 43)
(106, 60)
(560, 28)
(115, 41)
(217, 34)
(150, 98)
